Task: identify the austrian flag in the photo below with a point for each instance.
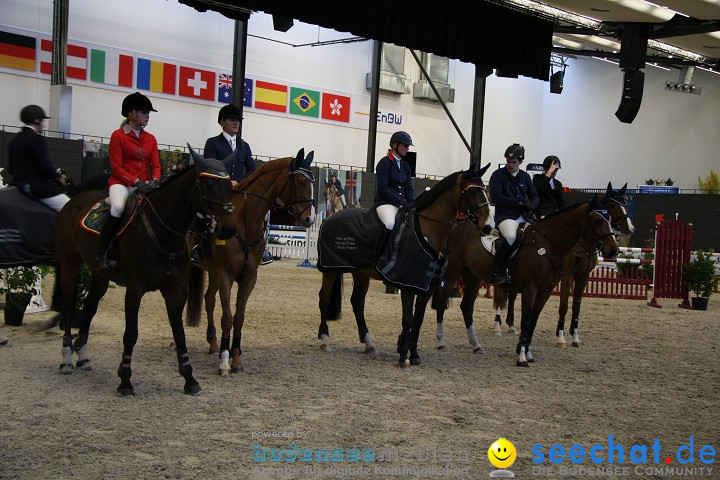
(335, 107)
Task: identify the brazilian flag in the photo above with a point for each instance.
(304, 102)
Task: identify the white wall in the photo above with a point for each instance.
(674, 135)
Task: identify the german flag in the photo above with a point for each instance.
(17, 51)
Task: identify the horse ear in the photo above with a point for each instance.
(609, 190)
(609, 187)
(622, 190)
(195, 157)
(299, 158)
(484, 169)
(309, 159)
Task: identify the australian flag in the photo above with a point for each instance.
(225, 84)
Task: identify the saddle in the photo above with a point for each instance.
(95, 218)
(488, 241)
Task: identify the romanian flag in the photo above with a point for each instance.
(111, 68)
(304, 102)
(156, 76)
(271, 96)
(17, 51)
(77, 58)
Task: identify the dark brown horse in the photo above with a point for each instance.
(535, 269)
(288, 181)
(463, 262)
(438, 210)
(578, 265)
(152, 254)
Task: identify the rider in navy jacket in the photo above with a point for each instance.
(221, 146)
(514, 196)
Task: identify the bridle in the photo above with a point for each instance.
(290, 207)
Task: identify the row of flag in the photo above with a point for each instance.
(115, 68)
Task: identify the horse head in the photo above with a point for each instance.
(214, 191)
(473, 197)
(617, 207)
(598, 226)
(300, 200)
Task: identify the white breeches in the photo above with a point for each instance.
(57, 202)
(118, 197)
(387, 215)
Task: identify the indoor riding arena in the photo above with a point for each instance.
(623, 94)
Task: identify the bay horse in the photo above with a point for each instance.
(152, 254)
(459, 197)
(578, 265)
(463, 263)
(287, 181)
(535, 268)
(332, 199)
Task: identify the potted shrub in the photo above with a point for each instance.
(18, 284)
(699, 277)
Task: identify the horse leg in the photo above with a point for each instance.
(421, 302)
(565, 284)
(361, 283)
(439, 303)
(510, 319)
(498, 322)
(580, 284)
(210, 298)
(403, 344)
(245, 288)
(175, 297)
(68, 280)
(467, 306)
(530, 313)
(326, 291)
(133, 295)
(224, 285)
(96, 291)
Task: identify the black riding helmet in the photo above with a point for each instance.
(515, 151)
(401, 137)
(31, 114)
(229, 111)
(549, 160)
(136, 101)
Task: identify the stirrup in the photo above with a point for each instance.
(498, 279)
(196, 255)
(105, 263)
(266, 258)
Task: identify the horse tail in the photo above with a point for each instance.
(196, 289)
(56, 304)
(500, 298)
(334, 309)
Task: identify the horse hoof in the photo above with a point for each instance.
(479, 351)
(498, 334)
(576, 344)
(561, 345)
(126, 392)
(531, 360)
(522, 364)
(213, 351)
(325, 348)
(415, 361)
(513, 330)
(66, 369)
(193, 390)
(442, 347)
(84, 365)
(223, 372)
(372, 352)
(404, 363)
(239, 369)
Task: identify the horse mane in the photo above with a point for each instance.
(168, 180)
(427, 198)
(563, 210)
(269, 166)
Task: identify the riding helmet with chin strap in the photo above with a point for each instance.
(136, 101)
(31, 114)
(401, 137)
(515, 151)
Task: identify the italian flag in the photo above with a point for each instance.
(111, 68)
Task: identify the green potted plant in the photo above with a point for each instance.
(699, 277)
(18, 284)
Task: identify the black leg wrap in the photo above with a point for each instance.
(224, 343)
(211, 333)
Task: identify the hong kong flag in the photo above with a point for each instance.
(335, 107)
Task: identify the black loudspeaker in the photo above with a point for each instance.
(504, 74)
(282, 24)
(556, 82)
(633, 83)
(411, 158)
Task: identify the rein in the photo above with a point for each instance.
(290, 207)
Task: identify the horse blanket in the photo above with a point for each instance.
(27, 230)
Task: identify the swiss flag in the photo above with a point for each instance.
(335, 107)
(196, 83)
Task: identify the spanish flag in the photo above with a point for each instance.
(271, 96)
(17, 51)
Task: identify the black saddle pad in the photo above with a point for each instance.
(347, 240)
(27, 230)
(409, 262)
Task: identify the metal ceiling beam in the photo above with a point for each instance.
(679, 62)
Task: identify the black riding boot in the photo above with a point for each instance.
(381, 244)
(197, 228)
(499, 274)
(106, 237)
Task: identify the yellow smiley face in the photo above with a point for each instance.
(502, 453)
